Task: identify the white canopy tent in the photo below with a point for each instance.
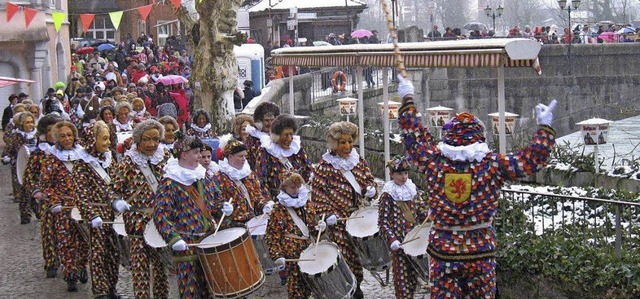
(493, 53)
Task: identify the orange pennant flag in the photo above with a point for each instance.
(12, 9)
(144, 11)
(176, 3)
(29, 14)
(87, 19)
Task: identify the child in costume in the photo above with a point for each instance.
(464, 181)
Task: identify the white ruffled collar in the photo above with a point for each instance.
(253, 131)
(168, 146)
(182, 175)
(120, 127)
(235, 173)
(213, 168)
(45, 147)
(405, 192)
(141, 159)
(141, 112)
(67, 155)
(275, 150)
(94, 161)
(204, 129)
(294, 202)
(472, 152)
(341, 163)
(27, 135)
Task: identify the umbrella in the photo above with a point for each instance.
(84, 50)
(105, 47)
(321, 43)
(360, 33)
(626, 30)
(172, 79)
(475, 26)
(609, 37)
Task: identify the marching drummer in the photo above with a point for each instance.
(288, 231)
(263, 116)
(95, 200)
(182, 213)
(341, 184)
(58, 185)
(136, 180)
(400, 209)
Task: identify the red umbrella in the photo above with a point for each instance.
(84, 50)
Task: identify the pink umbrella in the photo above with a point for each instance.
(172, 79)
(6, 81)
(360, 33)
(609, 37)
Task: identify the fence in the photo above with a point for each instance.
(592, 221)
(321, 86)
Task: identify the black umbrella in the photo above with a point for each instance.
(475, 26)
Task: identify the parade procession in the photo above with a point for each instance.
(249, 149)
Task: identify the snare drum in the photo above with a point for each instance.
(417, 249)
(159, 247)
(327, 274)
(123, 241)
(371, 248)
(83, 228)
(232, 268)
(257, 227)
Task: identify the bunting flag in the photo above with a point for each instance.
(176, 3)
(12, 9)
(58, 17)
(144, 11)
(87, 19)
(116, 17)
(29, 14)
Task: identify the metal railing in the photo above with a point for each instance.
(592, 221)
(321, 81)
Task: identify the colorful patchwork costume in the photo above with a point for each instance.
(274, 160)
(14, 143)
(253, 145)
(464, 181)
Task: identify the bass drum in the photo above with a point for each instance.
(158, 246)
(123, 241)
(21, 163)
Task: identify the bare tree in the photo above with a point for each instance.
(453, 13)
(521, 13)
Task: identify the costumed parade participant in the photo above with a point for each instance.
(279, 151)
(465, 178)
(206, 162)
(58, 185)
(201, 125)
(9, 131)
(239, 128)
(140, 110)
(136, 180)
(170, 127)
(95, 200)
(263, 116)
(288, 230)
(341, 182)
(182, 213)
(123, 121)
(33, 185)
(400, 210)
(24, 134)
(106, 114)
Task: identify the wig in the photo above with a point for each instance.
(145, 126)
(337, 129)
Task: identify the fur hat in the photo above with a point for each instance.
(463, 129)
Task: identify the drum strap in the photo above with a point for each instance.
(68, 165)
(244, 191)
(197, 197)
(285, 162)
(101, 172)
(298, 222)
(464, 229)
(151, 178)
(352, 180)
(408, 214)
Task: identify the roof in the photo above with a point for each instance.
(515, 52)
(304, 4)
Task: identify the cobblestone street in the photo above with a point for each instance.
(22, 274)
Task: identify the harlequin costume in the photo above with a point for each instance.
(182, 212)
(400, 209)
(287, 238)
(203, 132)
(59, 186)
(334, 194)
(131, 183)
(15, 142)
(465, 178)
(253, 145)
(95, 197)
(274, 160)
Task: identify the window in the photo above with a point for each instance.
(102, 29)
(165, 30)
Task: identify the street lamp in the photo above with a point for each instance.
(575, 4)
(490, 12)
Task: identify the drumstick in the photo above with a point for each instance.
(315, 249)
(250, 228)
(221, 218)
(418, 230)
(203, 244)
(350, 218)
(112, 222)
(409, 241)
(300, 260)
(68, 207)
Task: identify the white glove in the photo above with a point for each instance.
(120, 205)
(279, 262)
(332, 220)
(371, 191)
(6, 159)
(179, 246)
(56, 209)
(96, 222)
(227, 208)
(395, 245)
(405, 87)
(544, 113)
(268, 207)
(321, 226)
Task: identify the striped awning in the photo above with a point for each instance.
(442, 54)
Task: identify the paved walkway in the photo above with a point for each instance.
(22, 274)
